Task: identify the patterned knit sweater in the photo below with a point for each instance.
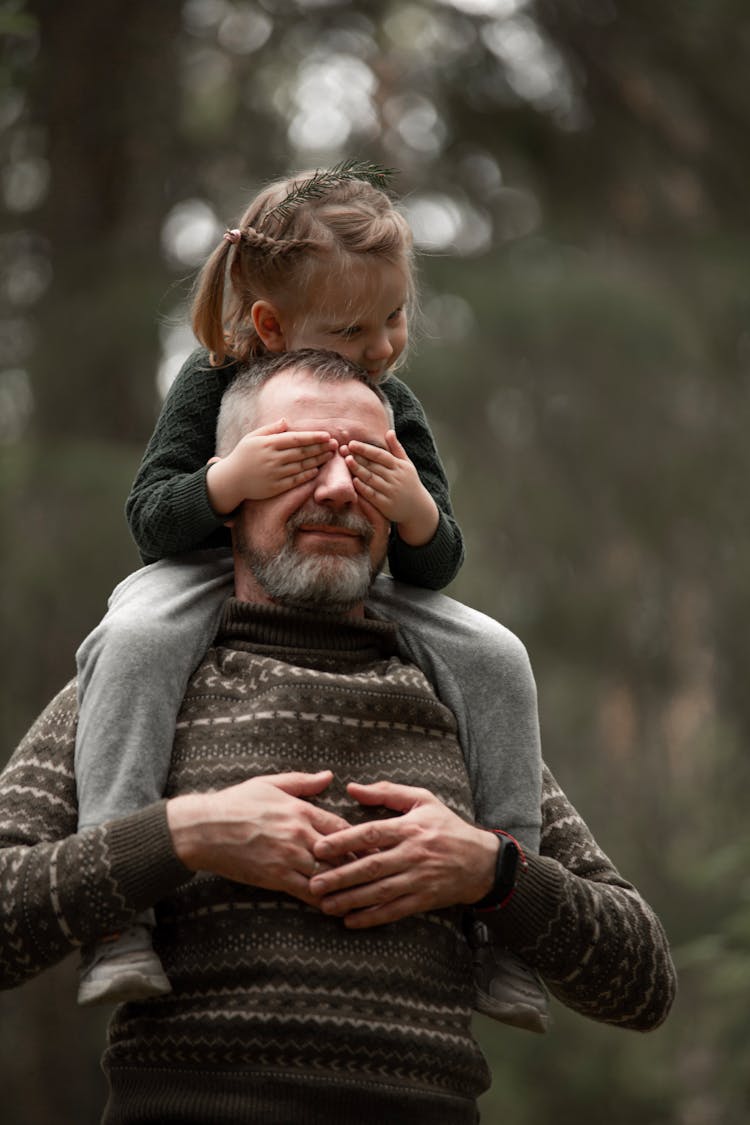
(168, 508)
(278, 1014)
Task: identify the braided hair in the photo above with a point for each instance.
(291, 231)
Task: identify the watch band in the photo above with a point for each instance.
(511, 862)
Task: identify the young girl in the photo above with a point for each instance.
(317, 261)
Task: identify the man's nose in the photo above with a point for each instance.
(334, 485)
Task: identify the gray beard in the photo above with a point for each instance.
(327, 583)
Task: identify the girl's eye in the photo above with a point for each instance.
(395, 314)
(349, 332)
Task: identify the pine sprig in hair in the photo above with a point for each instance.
(323, 180)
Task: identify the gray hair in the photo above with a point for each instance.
(238, 412)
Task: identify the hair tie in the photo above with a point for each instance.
(233, 236)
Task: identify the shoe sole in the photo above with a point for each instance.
(515, 1015)
(128, 986)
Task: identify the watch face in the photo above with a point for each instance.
(509, 859)
(507, 867)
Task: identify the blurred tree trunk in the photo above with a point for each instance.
(106, 93)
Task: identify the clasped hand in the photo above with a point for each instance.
(383, 870)
(267, 833)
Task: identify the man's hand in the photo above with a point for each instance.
(259, 832)
(423, 860)
(388, 480)
(265, 463)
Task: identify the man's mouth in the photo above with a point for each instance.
(335, 527)
(328, 529)
(330, 539)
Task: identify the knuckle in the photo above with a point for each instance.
(371, 835)
(372, 868)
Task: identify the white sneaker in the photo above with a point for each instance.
(505, 988)
(123, 967)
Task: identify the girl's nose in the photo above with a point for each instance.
(380, 348)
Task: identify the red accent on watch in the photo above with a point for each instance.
(522, 864)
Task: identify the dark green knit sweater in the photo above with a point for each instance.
(278, 1013)
(168, 508)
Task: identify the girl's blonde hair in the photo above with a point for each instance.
(284, 238)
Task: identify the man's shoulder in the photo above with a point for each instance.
(49, 744)
(432, 615)
(58, 716)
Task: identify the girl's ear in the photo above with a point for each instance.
(268, 326)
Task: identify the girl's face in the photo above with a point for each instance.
(363, 318)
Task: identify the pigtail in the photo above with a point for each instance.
(247, 264)
(208, 303)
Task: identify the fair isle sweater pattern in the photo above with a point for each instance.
(263, 984)
(256, 975)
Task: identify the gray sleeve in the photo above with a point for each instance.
(481, 671)
(132, 673)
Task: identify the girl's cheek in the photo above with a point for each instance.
(347, 350)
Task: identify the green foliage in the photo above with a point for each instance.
(323, 179)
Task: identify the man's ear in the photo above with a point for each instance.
(267, 324)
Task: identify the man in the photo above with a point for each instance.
(315, 858)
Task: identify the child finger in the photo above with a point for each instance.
(315, 460)
(377, 497)
(292, 480)
(303, 453)
(290, 465)
(293, 439)
(395, 445)
(374, 453)
(366, 470)
(302, 476)
(271, 428)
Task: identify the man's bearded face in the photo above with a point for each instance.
(319, 544)
(328, 581)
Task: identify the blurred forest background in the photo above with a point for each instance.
(576, 172)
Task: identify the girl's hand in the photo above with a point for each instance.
(387, 479)
(266, 462)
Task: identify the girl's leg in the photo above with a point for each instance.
(132, 673)
(481, 671)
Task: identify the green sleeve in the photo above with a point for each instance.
(437, 563)
(168, 508)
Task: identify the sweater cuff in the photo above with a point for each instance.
(144, 864)
(525, 921)
(434, 564)
(191, 508)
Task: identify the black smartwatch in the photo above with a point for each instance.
(510, 863)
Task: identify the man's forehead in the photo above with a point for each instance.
(308, 403)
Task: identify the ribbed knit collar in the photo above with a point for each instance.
(277, 627)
